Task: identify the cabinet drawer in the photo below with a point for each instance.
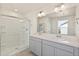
(49, 43)
(58, 45)
(34, 38)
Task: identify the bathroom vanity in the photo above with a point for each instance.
(57, 34)
(53, 45)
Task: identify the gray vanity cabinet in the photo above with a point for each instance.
(47, 50)
(35, 46)
(55, 49)
(60, 52)
(42, 47)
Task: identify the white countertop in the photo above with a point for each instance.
(68, 40)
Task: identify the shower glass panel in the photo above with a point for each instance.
(14, 35)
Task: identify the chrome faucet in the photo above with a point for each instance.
(58, 36)
(59, 33)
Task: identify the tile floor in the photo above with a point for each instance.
(25, 53)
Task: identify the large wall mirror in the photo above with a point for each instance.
(55, 23)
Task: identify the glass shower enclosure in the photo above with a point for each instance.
(14, 35)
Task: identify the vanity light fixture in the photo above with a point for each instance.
(59, 8)
(41, 14)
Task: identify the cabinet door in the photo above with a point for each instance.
(47, 50)
(32, 45)
(35, 47)
(60, 52)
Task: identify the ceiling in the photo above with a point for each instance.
(25, 8)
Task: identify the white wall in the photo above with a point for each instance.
(33, 22)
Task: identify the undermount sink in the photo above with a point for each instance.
(63, 41)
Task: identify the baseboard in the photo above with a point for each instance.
(18, 50)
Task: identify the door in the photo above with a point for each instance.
(14, 35)
(47, 50)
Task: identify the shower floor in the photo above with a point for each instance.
(25, 53)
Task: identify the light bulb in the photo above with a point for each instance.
(42, 14)
(39, 15)
(62, 6)
(56, 10)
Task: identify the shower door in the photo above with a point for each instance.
(14, 35)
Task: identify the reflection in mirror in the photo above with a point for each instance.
(41, 27)
(58, 23)
(63, 26)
